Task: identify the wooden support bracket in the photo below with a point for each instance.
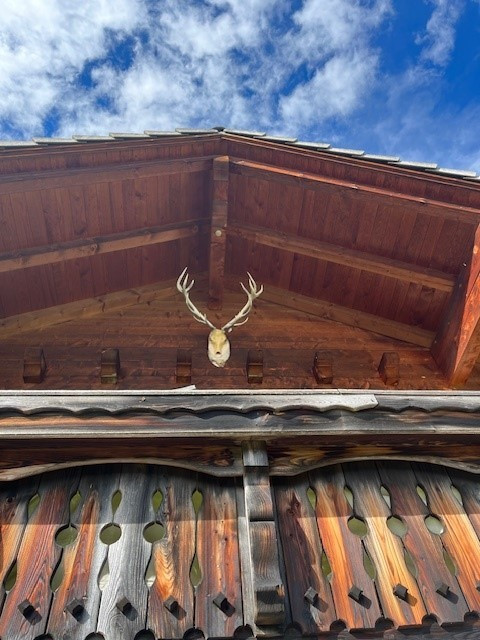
(389, 367)
(110, 366)
(323, 367)
(268, 591)
(255, 367)
(34, 365)
(183, 370)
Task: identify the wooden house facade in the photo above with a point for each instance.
(324, 482)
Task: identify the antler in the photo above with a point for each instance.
(184, 287)
(242, 316)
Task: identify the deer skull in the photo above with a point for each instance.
(218, 343)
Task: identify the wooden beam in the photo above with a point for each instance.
(351, 317)
(341, 255)
(218, 234)
(358, 192)
(89, 308)
(59, 178)
(85, 247)
(457, 344)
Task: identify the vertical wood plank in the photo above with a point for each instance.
(344, 551)
(37, 558)
(426, 550)
(128, 559)
(303, 557)
(459, 536)
(218, 555)
(173, 556)
(218, 233)
(384, 548)
(83, 559)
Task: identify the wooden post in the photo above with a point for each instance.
(34, 365)
(389, 367)
(323, 367)
(110, 366)
(268, 590)
(255, 367)
(183, 371)
(218, 235)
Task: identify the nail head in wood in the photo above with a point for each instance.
(221, 601)
(389, 367)
(75, 607)
(255, 367)
(183, 371)
(34, 365)
(311, 596)
(171, 604)
(355, 593)
(443, 589)
(125, 606)
(110, 366)
(323, 367)
(400, 591)
(27, 609)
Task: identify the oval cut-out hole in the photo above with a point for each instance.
(116, 500)
(104, 575)
(326, 568)
(11, 577)
(434, 525)
(357, 526)
(157, 499)
(145, 635)
(95, 636)
(57, 576)
(75, 501)
(32, 505)
(197, 500)
(457, 495)
(347, 492)
(410, 563)
(195, 572)
(451, 566)
(368, 565)
(150, 574)
(397, 526)
(154, 532)
(312, 497)
(66, 535)
(386, 496)
(110, 533)
(422, 495)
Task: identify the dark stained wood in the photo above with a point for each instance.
(425, 548)
(342, 255)
(34, 365)
(50, 254)
(110, 366)
(254, 367)
(302, 550)
(339, 543)
(172, 557)
(457, 344)
(323, 367)
(218, 231)
(183, 370)
(389, 367)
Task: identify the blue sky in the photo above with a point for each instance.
(397, 77)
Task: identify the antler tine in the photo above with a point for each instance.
(242, 316)
(184, 287)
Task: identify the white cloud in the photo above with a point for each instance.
(439, 36)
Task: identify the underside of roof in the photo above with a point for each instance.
(368, 243)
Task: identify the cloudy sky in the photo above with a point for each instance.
(398, 77)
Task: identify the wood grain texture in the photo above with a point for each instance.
(218, 231)
(302, 549)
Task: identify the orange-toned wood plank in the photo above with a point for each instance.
(344, 551)
(425, 549)
(459, 536)
(457, 344)
(172, 557)
(384, 548)
(218, 557)
(302, 552)
(218, 231)
(37, 558)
